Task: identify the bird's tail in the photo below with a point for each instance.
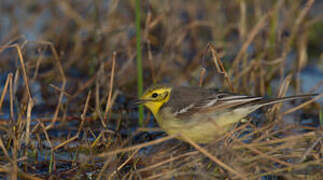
(266, 102)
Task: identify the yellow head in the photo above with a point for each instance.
(154, 97)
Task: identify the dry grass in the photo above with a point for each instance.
(65, 97)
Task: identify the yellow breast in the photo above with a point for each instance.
(201, 128)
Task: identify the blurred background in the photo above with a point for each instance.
(68, 74)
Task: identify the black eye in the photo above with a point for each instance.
(154, 95)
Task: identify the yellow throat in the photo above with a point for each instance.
(154, 98)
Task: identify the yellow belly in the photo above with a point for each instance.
(201, 128)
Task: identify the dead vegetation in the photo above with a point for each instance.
(68, 76)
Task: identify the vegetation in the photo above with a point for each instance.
(68, 76)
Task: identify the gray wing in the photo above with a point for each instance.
(186, 101)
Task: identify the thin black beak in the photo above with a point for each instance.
(136, 102)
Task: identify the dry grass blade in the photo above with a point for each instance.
(65, 108)
(296, 26)
(263, 155)
(219, 66)
(5, 88)
(4, 150)
(86, 106)
(308, 151)
(97, 97)
(302, 105)
(66, 142)
(39, 60)
(282, 91)
(11, 97)
(276, 141)
(109, 103)
(202, 74)
(24, 175)
(52, 164)
(148, 26)
(243, 19)
(167, 161)
(71, 13)
(60, 90)
(24, 71)
(213, 158)
(123, 164)
(22, 63)
(297, 166)
(107, 162)
(29, 109)
(256, 29)
(63, 78)
(81, 125)
(162, 174)
(139, 146)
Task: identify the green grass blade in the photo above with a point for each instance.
(139, 61)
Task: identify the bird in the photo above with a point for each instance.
(201, 114)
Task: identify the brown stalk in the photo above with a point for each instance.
(278, 170)
(122, 165)
(96, 139)
(243, 19)
(301, 59)
(60, 90)
(255, 30)
(5, 152)
(109, 103)
(29, 109)
(63, 78)
(213, 158)
(302, 105)
(245, 71)
(97, 96)
(148, 26)
(264, 155)
(281, 140)
(282, 92)
(171, 159)
(139, 146)
(81, 125)
(5, 88)
(294, 32)
(39, 60)
(105, 165)
(202, 74)
(296, 26)
(50, 145)
(308, 151)
(162, 174)
(11, 93)
(71, 13)
(219, 66)
(22, 63)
